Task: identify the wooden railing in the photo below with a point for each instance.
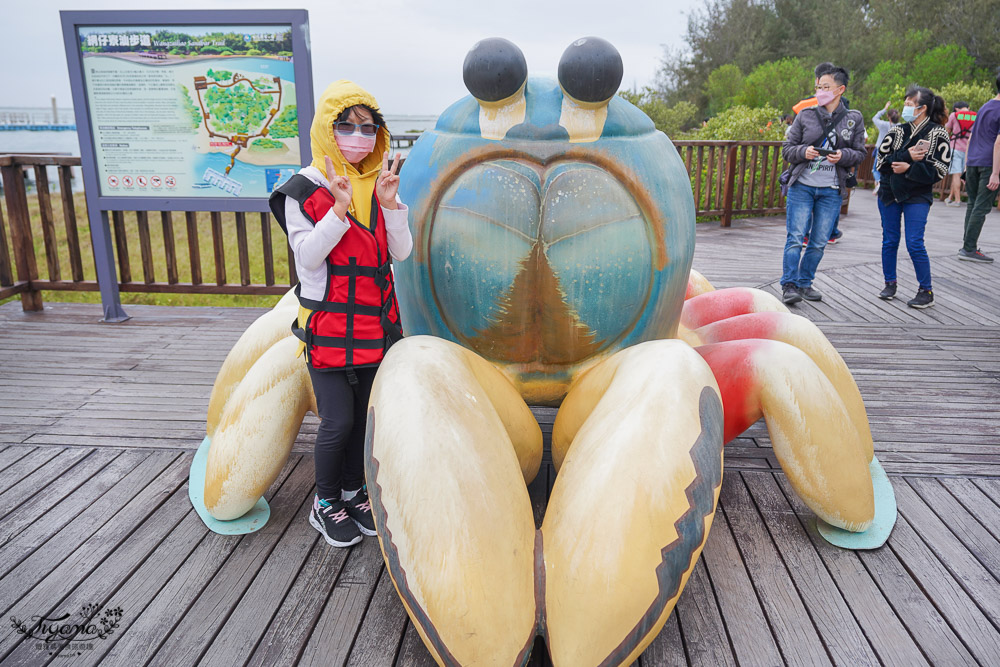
(740, 178)
(246, 253)
(45, 243)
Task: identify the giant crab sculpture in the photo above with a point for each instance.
(553, 239)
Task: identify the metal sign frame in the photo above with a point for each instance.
(99, 204)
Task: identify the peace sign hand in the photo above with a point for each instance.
(340, 188)
(387, 184)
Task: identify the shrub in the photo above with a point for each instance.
(779, 84)
(669, 120)
(976, 94)
(742, 123)
(724, 84)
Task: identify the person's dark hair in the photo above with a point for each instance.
(377, 118)
(823, 68)
(934, 103)
(959, 105)
(998, 80)
(839, 75)
(893, 115)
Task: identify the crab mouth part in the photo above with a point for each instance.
(555, 244)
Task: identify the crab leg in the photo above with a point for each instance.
(826, 460)
(799, 332)
(639, 442)
(265, 331)
(449, 446)
(256, 430)
(717, 305)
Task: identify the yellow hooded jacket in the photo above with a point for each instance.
(338, 96)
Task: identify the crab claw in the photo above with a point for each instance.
(449, 446)
(639, 440)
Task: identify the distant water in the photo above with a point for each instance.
(26, 141)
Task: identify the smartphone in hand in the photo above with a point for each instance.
(825, 151)
(924, 145)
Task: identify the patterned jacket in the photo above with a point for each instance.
(916, 184)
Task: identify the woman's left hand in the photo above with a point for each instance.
(387, 184)
(900, 167)
(834, 158)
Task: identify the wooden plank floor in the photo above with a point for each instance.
(98, 424)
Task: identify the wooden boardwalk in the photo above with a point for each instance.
(98, 424)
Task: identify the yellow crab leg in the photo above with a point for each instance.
(257, 429)
(266, 330)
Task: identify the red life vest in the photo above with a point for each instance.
(358, 318)
(966, 119)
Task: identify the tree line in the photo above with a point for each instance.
(756, 58)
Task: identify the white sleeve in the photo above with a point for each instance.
(312, 243)
(398, 231)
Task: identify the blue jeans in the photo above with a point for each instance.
(813, 211)
(914, 215)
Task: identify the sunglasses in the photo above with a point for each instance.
(367, 129)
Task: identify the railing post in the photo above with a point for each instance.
(727, 193)
(20, 233)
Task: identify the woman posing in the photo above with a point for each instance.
(344, 222)
(912, 157)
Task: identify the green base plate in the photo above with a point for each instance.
(885, 517)
(252, 521)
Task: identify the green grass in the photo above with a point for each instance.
(254, 245)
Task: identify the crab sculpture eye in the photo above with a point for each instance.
(554, 245)
(590, 70)
(494, 69)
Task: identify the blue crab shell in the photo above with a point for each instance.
(542, 255)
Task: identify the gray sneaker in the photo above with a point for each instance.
(974, 256)
(810, 294)
(790, 294)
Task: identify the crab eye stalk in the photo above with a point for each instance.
(495, 72)
(590, 70)
(494, 69)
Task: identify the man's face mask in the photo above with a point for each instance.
(825, 96)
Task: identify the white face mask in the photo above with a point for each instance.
(355, 147)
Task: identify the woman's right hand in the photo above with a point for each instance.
(811, 153)
(340, 188)
(917, 153)
(886, 107)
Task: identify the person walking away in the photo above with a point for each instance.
(982, 175)
(883, 127)
(959, 124)
(824, 143)
(344, 222)
(913, 157)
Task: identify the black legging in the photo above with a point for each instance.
(340, 441)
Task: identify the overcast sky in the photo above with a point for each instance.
(408, 53)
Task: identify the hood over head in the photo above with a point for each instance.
(338, 96)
